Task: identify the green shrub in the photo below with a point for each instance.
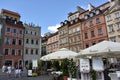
(34, 74)
(72, 68)
(64, 67)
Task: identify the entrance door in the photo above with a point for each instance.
(8, 62)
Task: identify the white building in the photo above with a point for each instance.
(32, 43)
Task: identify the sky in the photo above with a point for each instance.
(46, 13)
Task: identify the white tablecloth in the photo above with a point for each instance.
(57, 72)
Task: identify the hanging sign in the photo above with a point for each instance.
(97, 64)
(84, 65)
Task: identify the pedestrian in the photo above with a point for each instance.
(106, 76)
(4, 68)
(9, 70)
(16, 71)
(78, 73)
(20, 70)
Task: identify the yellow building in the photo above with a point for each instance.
(112, 16)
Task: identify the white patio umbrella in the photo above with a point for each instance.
(102, 49)
(60, 54)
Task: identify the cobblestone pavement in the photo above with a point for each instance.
(4, 76)
(45, 77)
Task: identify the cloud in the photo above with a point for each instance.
(53, 28)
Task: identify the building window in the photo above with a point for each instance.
(19, 52)
(35, 33)
(109, 18)
(26, 51)
(117, 15)
(36, 42)
(85, 25)
(86, 35)
(111, 29)
(14, 30)
(32, 51)
(113, 39)
(100, 31)
(91, 14)
(27, 41)
(97, 11)
(8, 29)
(92, 34)
(20, 42)
(78, 38)
(14, 41)
(91, 23)
(20, 32)
(6, 51)
(26, 32)
(87, 45)
(36, 51)
(97, 20)
(32, 41)
(93, 43)
(7, 41)
(118, 24)
(70, 40)
(13, 52)
(86, 16)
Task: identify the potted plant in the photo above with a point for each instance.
(64, 68)
(30, 69)
(72, 70)
(56, 65)
(39, 68)
(93, 74)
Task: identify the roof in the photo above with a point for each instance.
(10, 12)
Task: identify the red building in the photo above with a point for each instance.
(93, 26)
(12, 38)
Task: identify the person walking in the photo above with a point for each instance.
(3, 68)
(9, 70)
(16, 71)
(20, 70)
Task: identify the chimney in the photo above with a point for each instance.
(90, 6)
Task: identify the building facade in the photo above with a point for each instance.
(63, 35)
(94, 28)
(70, 31)
(52, 43)
(112, 16)
(12, 37)
(32, 43)
(75, 35)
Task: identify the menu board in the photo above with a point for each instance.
(97, 64)
(34, 64)
(84, 65)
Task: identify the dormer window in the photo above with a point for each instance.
(72, 22)
(76, 20)
(61, 23)
(86, 17)
(97, 11)
(91, 14)
(66, 21)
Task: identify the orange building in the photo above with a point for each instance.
(52, 43)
